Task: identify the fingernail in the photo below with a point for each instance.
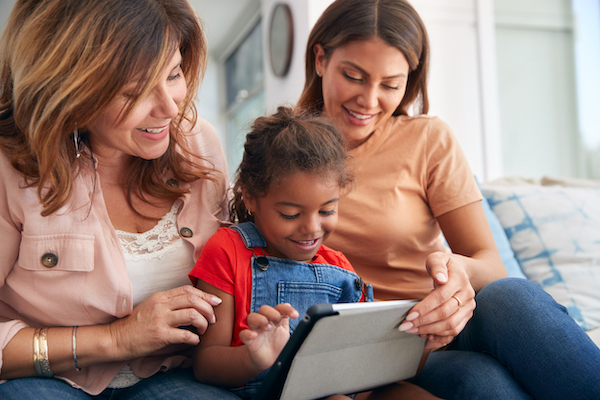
(405, 326)
(413, 315)
(214, 319)
(441, 277)
(413, 330)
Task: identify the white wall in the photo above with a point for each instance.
(456, 86)
(287, 90)
(587, 38)
(5, 7)
(503, 75)
(537, 87)
(587, 67)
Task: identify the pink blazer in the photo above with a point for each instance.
(88, 285)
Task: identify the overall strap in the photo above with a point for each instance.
(250, 234)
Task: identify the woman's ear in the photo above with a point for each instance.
(249, 201)
(320, 60)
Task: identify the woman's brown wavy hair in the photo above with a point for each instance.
(61, 64)
(394, 21)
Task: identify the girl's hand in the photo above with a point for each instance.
(268, 332)
(154, 323)
(444, 312)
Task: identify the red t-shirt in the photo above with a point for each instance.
(225, 264)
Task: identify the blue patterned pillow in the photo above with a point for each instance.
(555, 234)
(513, 269)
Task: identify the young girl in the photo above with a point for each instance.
(272, 265)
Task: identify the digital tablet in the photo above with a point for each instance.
(343, 349)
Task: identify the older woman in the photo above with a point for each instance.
(109, 187)
(366, 69)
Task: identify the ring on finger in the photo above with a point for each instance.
(460, 303)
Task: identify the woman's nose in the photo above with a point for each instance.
(369, 97)
(166, 101)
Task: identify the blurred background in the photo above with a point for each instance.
(517, 80)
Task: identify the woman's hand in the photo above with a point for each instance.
(473, 263)
(444, 312)
(269, 331)
(154, 323)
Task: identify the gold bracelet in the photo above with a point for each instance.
(43, 358)
(36, 352)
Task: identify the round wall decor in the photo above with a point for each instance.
(281, 39)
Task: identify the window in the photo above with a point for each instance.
(587, 67)
(245, 93)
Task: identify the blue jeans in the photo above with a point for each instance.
(175, 384)
(520, 344)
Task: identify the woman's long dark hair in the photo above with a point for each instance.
(394, 21)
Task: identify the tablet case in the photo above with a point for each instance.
(343, 349)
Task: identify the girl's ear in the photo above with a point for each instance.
(249, 200)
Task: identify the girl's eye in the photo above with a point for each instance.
(331, 212)
(285, 216)
(392, 87)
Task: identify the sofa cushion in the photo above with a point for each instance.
(513, 269)
(555, 234)
(595, 336)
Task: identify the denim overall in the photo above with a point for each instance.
(277, 280)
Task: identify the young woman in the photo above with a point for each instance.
(366, 69)
(101, 156)
(272, 265)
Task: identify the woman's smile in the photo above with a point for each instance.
(358, 118)
(154, 134)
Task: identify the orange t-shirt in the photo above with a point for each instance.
(406, 174)
(225, 264)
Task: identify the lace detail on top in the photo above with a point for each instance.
(154, 242)
(148, 273)
(124, 379)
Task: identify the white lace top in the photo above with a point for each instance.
(157, 260)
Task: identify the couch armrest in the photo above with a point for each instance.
(594, 334)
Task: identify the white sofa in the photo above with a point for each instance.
(548, 231)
